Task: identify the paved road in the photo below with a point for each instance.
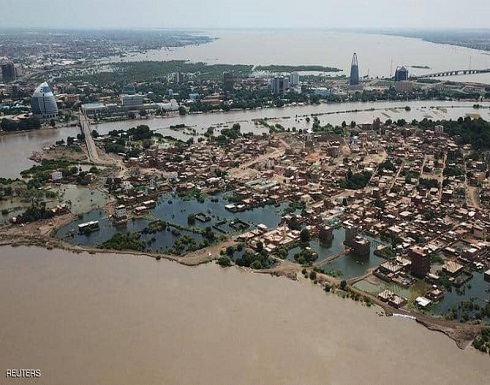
(93, 155)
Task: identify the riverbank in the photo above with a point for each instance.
(39, 234)
(17, 148)
(138, 320)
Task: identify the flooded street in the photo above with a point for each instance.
(100, 319)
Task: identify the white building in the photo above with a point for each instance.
(294, 79)
(120, 212)
(43, 102)
(170, 106)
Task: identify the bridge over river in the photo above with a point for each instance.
(451, 73)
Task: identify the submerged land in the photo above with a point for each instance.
(388, 213)
(352, 208)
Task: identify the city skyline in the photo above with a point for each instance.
(109, 14)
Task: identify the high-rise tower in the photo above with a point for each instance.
(8, 72)
(43, 102)
(354, 71)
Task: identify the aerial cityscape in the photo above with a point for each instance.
(218, 201)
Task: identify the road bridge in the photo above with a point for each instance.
(451, 73)
(93, 155)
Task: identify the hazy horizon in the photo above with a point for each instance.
(254, 14)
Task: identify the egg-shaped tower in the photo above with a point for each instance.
(43, 102)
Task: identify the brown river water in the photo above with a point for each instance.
(126, 320)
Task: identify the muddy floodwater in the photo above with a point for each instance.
(125, 320)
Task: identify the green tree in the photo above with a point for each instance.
(224, 261)
(260, 246)
(305, 235)
(191, 219)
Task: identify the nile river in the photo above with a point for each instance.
(114, 319)
(378, 55)
(15, 149)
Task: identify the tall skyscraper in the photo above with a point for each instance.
(43, 102)
(8, 71)
(294, 79)
(279, 85)
(354, 71)
(228, 82)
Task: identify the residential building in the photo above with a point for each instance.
(420, 261)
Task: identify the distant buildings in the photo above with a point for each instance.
(8, 71)
(228, 82)
(43, 102)
(294, 79)
(401, 74)
(354, 71)
(279, 85)
(322, 91)
(439, 129)
(129, 89)
(132, 102)
(172, 105)
(179, 77)
(404, 86)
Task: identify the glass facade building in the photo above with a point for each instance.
(43, 102)
(354, 72)
(401, 74)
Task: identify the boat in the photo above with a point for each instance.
(88, 227)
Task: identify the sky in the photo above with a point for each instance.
(201, 14)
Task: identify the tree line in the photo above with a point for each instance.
(31, 123)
